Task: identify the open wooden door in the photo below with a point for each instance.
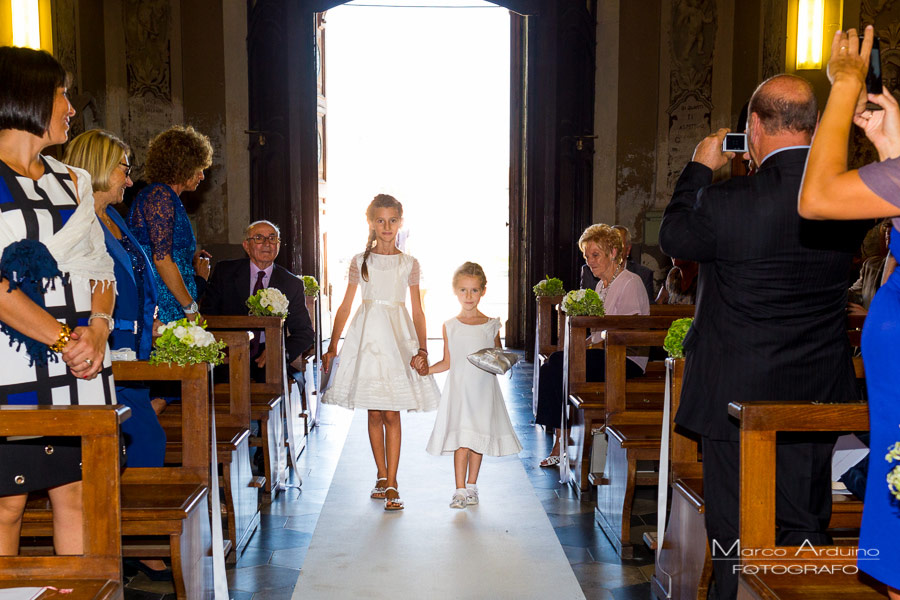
(550, 138)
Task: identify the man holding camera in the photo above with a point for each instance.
(770, 321)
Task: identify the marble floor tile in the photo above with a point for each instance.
(289, 557)
(265, 577)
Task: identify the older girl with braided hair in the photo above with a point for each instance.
(383, 365)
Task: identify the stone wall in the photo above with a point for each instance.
(141, 66)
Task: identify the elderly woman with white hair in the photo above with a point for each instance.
(623, 293)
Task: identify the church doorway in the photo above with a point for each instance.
(414, 102)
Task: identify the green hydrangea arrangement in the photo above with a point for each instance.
(675, 337)
(579, 303)
(185, 343)
(551, 286)
(310, 285)
(893, 477)
(268, 302)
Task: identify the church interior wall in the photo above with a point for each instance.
(667, 72)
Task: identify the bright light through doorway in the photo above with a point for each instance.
(418, 107)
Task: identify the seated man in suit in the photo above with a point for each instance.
(233, 281)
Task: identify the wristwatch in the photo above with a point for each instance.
(191, 309)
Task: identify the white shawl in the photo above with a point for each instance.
(79, 246)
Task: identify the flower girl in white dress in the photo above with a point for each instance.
(382, 366)
(472, 420)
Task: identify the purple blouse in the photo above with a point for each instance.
(883, 178)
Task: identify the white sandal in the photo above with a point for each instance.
(377, 492)
(392, 503)
(458, 500)
(550, 461)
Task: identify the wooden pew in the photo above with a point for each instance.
(547, 337)
(683, 564)
(760, 421)
(633, 419)
(682, 567)
(165, 510)
(266, 398)
(96, 574)
(238, 484)
(588, 399)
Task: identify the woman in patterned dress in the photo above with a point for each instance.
(176, 159)
(56, 293)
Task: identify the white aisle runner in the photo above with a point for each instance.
(504, 547)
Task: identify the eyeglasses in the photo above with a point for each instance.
(127, 168)
(259, 238)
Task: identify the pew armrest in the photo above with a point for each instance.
(800, 416)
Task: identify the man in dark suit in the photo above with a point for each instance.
(233, 281)
(770, 321)
(588, 281)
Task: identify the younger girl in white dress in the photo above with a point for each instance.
(472, 420)
(382, 366)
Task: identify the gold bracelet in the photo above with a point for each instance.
(65, 334)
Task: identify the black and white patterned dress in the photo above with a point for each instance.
(37, 210)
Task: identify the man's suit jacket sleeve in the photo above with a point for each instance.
(211, 301)
(687, 228)
(300, 334)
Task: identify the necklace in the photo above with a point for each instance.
(604, 288)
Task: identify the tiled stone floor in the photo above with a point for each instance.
(270, 566)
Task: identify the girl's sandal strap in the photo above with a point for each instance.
(378, 491)
(392, 503)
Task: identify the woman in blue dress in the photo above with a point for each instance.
(831, 191)
(175, 162)
(105, 157)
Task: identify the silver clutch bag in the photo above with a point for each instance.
(493, 360)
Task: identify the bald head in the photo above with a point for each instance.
(785, 104)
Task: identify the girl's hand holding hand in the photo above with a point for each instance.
(420, 364)
(328, 358)
(882, 127)
(86, 349)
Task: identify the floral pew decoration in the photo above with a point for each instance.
(583, 303)
(185, 343)
(310, 285)
(551, 286)
(674, 342)
(268, 302)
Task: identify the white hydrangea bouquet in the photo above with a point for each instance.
(893, 477)
(185, 343)
(268, 302)
(579, 303)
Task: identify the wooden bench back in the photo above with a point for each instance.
(684, 448)
(576, 344)
(760, 422)
(547, 329)
(274, 329)
(195, 405)
(98, 428)
(238, 385)
(681, 311)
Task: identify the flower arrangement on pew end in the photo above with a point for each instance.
(674, 342)
(583, 303)
(186, 343)
(310, 285)
(551, 286)
(893, 477)
(268, 302)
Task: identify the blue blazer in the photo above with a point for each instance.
(134, 323)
